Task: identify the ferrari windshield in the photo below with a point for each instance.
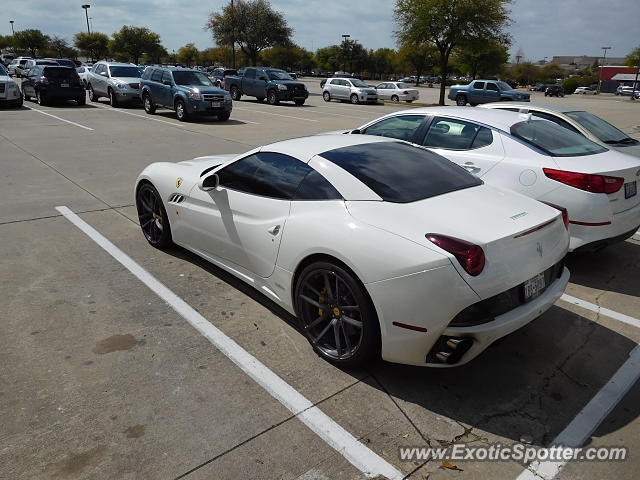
(131, 72)
(601, 129)
(192, 78)
(555, 140)
(278, 75)
(400, 173)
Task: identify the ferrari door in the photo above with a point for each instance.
(474, 147)
(242, 220)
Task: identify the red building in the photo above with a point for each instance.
(606, 74)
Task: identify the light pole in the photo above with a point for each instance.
(90, 24)
(346, 46)
(86, 8)
(604, 61)
(233, 36)
(13, 32)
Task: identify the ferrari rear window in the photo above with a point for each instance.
(400, 173)
(554, 139)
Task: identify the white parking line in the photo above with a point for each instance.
(589, 418)
(58, 118)
(621, 317)
(276, 114)
(361, 457)
(146, 117)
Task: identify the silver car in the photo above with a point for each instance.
(83, 73)
(594, 128)
(352, 89)
(120, 82)
(397, 92)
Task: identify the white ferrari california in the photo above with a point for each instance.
(379, 248)
(535, 157)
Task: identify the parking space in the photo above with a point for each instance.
(104, 377)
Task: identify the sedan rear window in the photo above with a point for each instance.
(554, 139)
(401, 173)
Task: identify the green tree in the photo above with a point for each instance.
(525, 73)
(61, 48)
(479, 56)
(188, 55)
(290, 57)
(6, 41)
(633, 59)
(550, 73)
(420, 57)
(156, 54)
(252, 25)
(93, 45)
(131, 42)
(383, 61)
(32, 40)
(446, 23)
(328, 58)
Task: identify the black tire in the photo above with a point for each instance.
(82, 101)
(149, 106)
(235, 93)
(113, 99)
(361, 343)
(92, 95)
(223, 117)
(461, 100)
(326, 96)
(409, 101)
(473, 104)
(26, 97)
(19, 102)
(354, 99)
(260, 99)
(272, 97)
(181, 111)
(40, 99)
(395, 98)
(153, 217)
(299, 102)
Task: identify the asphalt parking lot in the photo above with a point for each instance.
(103, 378)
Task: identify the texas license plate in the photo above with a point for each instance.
(215, 104)
(630, 189)
(64, 84)
(534, 287)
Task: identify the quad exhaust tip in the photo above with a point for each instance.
(454, 349)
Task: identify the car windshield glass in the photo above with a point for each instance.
(65, 63)
(403, 85)
(504, 86)
(133, 72)
(601, 129)
(3, 71)
(50, 62)
(358, 83)
(278, 75)
(192, 78)
(401, 173)
(555, 140)
(59, 72)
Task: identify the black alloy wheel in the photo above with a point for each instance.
(336, 314)
(153, 217)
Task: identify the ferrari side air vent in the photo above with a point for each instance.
(176, 198)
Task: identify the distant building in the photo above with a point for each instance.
(578, 63)
(614, 76)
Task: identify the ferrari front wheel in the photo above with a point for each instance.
(153, 217)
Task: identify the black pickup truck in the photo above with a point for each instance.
(271, 83)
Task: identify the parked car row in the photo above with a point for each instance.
(10, 94)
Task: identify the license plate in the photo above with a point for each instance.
(534, 287)
(215, 104)
(64, 84)
(630, 189)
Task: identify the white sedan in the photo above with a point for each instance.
(10, 94)
(378, 247)
(83, 72)
(585, 91)
(538, 158)
(397, 92)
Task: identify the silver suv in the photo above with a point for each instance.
(120, 82)
(351, 89)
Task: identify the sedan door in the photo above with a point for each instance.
(474, 147)
(242, 220)
(383, 91)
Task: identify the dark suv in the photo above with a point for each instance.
(219, 74)
(554, 91)
(188, 92)
(49, 83)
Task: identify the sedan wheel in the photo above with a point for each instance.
(113, 100)
(336, 314)
(149, 107)
(40, 99)
(354, 99)
(395, 98)
(92, 95)
(326, 96)
(153, 217)
(181, 111)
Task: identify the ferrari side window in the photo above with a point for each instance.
(316, 187)
(267, 174)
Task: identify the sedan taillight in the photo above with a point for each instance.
(406, 92)
(565, 213)
(586, 181)
(44, 80)
(470, 256)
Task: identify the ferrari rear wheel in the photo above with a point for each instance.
(337, 315)
(153, 217)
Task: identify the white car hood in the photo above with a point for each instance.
(6, 78)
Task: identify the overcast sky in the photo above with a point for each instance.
(541, 27)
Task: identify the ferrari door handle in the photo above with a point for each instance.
(274, 230)
(471, 167)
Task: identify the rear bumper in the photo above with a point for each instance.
(60, 93)
(591, 238)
